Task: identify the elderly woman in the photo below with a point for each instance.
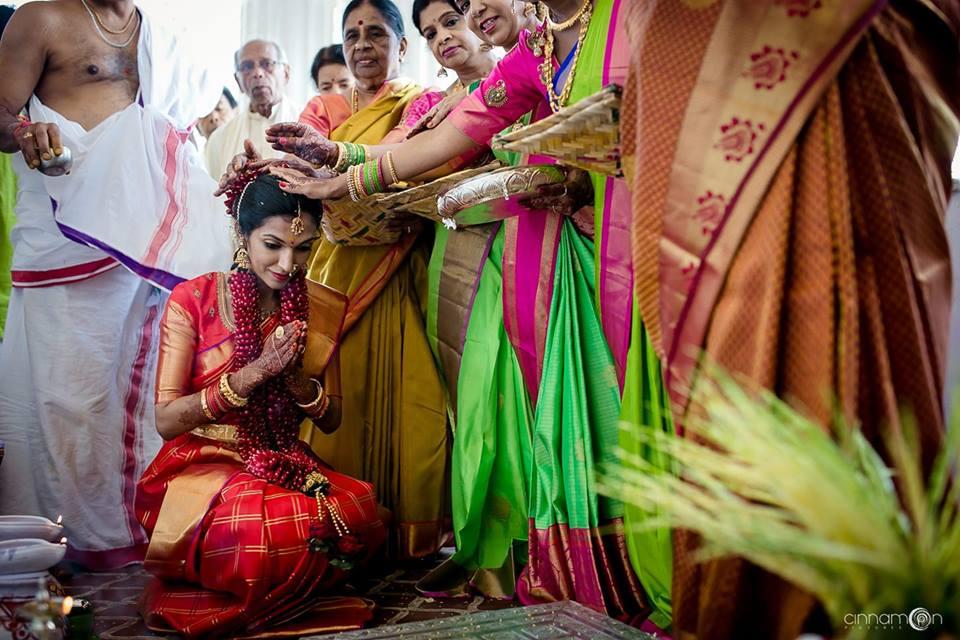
(394, 431)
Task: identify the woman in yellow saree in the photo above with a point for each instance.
(394, 431)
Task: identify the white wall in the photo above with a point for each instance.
(208, 29)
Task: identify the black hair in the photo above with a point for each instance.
(6, 12)
(229, 97)
(328, 55)
(263, 198)
(420, 5)
(391, 14)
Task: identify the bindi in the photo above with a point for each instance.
(93, 69)
(360, 24)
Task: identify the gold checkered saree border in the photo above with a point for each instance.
(585, 135)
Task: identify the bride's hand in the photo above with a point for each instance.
(303, 141)
(280, 352)
(323, 188)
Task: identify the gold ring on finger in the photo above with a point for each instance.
(28, 135)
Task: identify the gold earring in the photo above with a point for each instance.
(241, 258)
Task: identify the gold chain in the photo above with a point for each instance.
(123, 29)
(566, 24)
(546, 68)
(354, 100)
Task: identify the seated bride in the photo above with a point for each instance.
(249, 531)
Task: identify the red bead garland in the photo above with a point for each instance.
(268, 438)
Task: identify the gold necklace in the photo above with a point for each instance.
(103, 36)
(566, 24)
(354, 100)
(123, 29)
(546, 68)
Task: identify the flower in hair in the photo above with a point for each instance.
(236, 188)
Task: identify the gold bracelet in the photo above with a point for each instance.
(341, 164)
(394, 178)
(206, 407)
(231, 396)
(316, 402)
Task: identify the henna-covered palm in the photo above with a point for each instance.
(303, 141)
(326, 185)
(278, 355)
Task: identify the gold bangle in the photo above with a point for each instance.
(394, 178)
(205, 406)
(316, 402)
(231, 396)
(341, 164)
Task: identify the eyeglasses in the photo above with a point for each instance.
(247, 66)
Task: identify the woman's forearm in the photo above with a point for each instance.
(176, 417)
(424, 152)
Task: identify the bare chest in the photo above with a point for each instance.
(85, 58)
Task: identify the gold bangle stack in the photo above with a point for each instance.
(353, 180)
(235, 399)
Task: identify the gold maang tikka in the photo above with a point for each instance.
(296, 225)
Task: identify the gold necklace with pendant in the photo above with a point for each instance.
(566, 24)
(546, 67)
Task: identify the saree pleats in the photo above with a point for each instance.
(577, 547)
(646, 406)
(491, 448)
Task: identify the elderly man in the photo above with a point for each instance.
(76, 365)
(262, 73)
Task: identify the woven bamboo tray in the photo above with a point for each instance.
(367, 222)
(585, 135)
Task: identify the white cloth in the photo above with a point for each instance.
(77, 366)
(227, 141)
(76, 409)
(157, 215)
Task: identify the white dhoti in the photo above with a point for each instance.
(76, 409)
(77, 363)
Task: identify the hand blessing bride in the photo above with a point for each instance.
(322, 184)
(303, 141)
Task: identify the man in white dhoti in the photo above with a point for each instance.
(77, 362)
(262, 74)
